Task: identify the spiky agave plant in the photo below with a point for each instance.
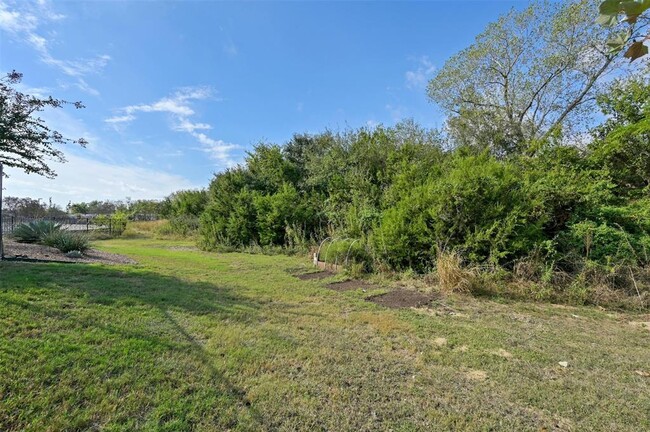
(35, 231)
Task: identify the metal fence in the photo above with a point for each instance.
(10, 223)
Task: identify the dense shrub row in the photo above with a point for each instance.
(408, 195)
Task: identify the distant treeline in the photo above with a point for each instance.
(37, 208)
(30, 208)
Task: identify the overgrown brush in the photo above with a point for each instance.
(36, 231)
(143, 229)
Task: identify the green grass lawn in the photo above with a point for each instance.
(188, 340)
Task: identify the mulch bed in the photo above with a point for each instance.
(401, 298)
(316, 275)
(15, 251)
(351, 285)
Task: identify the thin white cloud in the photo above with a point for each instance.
(230, 48)
(72, 127)
(23, 20)
(418, 77)
(178, 104)
(82, 85)
(14, 21)
(216, 149)
(179, 107)
(83, 179)
(79, 67)
(185, 125)
(120, 119)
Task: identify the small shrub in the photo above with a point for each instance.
(67, 241)
(34, 232)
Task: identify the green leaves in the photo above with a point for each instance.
(617, 43)
(610, 9)
(609, 12)
(633, 9)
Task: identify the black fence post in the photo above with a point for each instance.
(87, 224)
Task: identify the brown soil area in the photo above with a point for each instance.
(316, 275)
(351, 285)
(36, 252)
(401, 298)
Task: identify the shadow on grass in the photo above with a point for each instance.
(124, 294)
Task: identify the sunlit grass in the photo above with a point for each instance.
(189, 340)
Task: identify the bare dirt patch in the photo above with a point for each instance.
(315, 275)
(351, 285)
(401, 298)
(35, 252)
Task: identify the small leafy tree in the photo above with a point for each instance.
(26, 142)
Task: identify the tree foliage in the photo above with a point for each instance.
(529, 76)
(406, 196)
(622, 143)
(26, 142)
(30, 208)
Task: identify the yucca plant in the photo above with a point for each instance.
(67, 241)
(36, 231)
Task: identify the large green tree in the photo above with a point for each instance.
(529, 76)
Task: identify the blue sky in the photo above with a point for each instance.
(176, 91)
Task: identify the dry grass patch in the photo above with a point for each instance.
(452, 275)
